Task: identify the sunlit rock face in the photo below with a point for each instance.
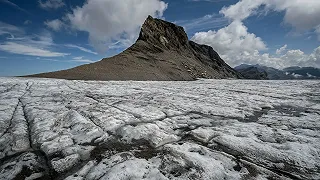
(205, 129)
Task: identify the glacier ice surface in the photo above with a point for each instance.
(205, 129)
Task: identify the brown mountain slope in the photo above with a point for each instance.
(162, 52)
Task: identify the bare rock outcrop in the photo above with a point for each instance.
(162, 52)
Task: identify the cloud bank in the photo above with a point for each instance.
(237, 45)
(110, 22)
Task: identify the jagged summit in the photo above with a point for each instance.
(162, 33)
(162, 52)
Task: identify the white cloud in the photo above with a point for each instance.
(318, 32)
(234, 38)
(199, 24)
(310, 76)
(109, 21)
(315, 57)
(290, 58)
(83, 61)
(81, 48)
(282, 49)
(51, 4)
(241, 10)
(43, 40)
(296, 75)
(236, 45)
(18, 35)
(300, 14)
(55, 25)
(235, 50)
(9, 29)
(22, 49)
(46, 59)
(299, 58)
(34, 45)
(80, 59)
(295, 58)
(27, 22)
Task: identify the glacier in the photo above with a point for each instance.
(204, 129)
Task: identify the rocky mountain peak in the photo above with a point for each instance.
(162, 52)
(163, 34)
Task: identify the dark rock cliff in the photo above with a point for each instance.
(162, 52)
(254, 73)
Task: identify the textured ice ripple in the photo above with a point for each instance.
(206, 129)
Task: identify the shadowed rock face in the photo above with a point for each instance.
(162, 52)
(302, 73)
(254, 73)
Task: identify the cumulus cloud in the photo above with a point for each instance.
(282, 49)
(55, 25)
(236, 45)
(233, 39)
(109, 21)
(241, 10)
(290, 58)
(300, 14)
(314, 58)
(236, 50)
(51, 4)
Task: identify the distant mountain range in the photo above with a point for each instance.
(259, 72)
(252, 72)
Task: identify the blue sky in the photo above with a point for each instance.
(48, 35)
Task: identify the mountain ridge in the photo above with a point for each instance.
(253, 72)
(162, 52)
(294, 72)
